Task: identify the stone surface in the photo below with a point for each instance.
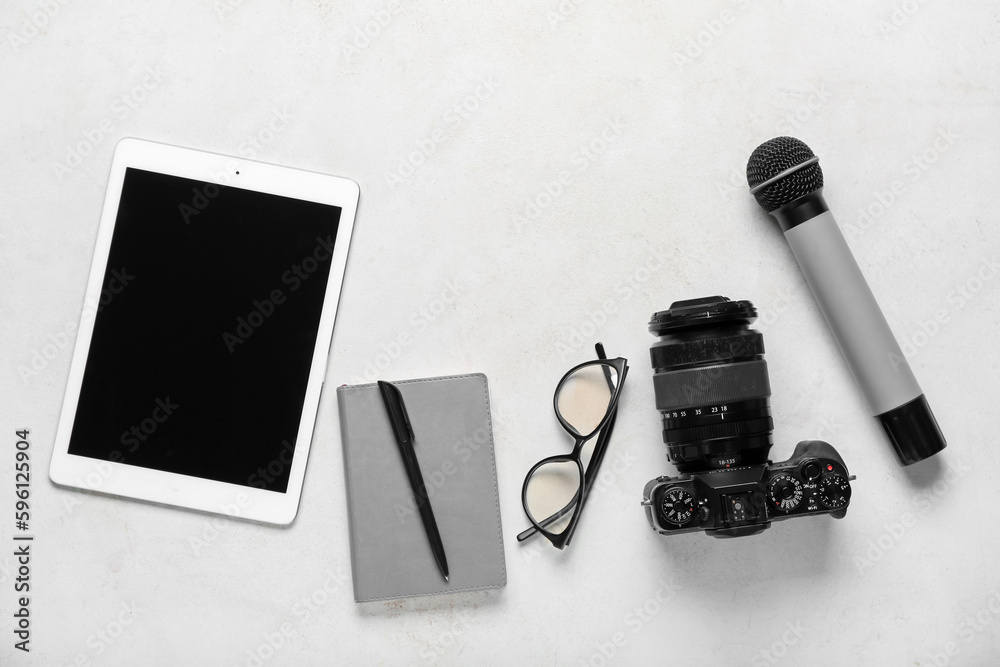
(535, 177)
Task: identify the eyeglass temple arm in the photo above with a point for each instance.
(607, 372)
(600, 448)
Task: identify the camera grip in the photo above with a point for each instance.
(816, 449)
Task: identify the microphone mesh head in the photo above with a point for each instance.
(775, 156)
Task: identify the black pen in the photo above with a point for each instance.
(404, 438)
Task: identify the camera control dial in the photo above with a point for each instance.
(834, 491)
(677, 506)
(785, 492)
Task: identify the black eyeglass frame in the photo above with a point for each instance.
(560, 540)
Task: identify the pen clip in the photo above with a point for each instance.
(396, 407)
(406, 417)
(402, 409)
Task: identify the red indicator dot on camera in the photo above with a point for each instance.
(829, 467)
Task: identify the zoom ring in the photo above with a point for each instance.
(711, 385)
(720, 430)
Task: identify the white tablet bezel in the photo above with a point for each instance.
(181, 490)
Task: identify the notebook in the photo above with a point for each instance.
(391, 556)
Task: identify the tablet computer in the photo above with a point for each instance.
(203, 343)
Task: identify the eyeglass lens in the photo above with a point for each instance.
(585, 396)
(552, 494)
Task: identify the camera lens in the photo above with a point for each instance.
(710, 383)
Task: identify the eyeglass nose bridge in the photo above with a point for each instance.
(559, 458)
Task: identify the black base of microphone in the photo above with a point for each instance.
(913, 431)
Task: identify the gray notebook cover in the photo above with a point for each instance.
(453, 440)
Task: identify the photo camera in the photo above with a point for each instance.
(711, 387)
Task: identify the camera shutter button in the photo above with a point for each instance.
(811, 471)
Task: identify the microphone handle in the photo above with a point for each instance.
(850, 309)
(863, 335)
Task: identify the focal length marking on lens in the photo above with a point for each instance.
(718, 410)
(717, 413)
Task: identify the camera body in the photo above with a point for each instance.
(732, 502)
(712, 389)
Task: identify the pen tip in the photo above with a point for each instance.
(446, 578)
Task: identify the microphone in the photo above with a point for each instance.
(785, 177)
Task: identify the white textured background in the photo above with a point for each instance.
(686, 90)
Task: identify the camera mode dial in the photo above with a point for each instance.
(834, 491)
(677, 506)
(785, 492)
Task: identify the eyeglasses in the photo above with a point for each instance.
(556, 488)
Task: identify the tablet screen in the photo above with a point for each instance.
(205, 333)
